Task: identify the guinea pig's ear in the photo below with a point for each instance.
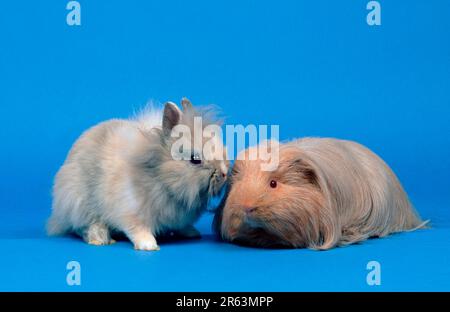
(308, 173)
(295, 169)
(186, 104)
(171, 117)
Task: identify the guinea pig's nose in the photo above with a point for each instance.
(249, 209)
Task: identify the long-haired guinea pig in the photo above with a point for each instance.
(323, 193)
(121, 176)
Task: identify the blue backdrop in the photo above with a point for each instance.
(316, 68)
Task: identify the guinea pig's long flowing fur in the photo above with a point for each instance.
(324, 193)
(120, 176)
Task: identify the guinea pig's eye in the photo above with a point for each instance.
(196, 159)
(273, 184)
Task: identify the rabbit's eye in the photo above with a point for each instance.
(273, 184)
(196, 159)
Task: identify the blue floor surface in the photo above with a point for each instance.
(417, 261)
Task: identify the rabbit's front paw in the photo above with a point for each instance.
(142, 237)
(146, 244)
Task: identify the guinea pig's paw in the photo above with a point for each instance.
(189, 232)
(148, 244)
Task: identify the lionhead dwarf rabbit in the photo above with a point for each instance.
(324, 193)
(121, 176)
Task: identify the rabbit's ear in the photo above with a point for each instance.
(186, 104)
(171, 117)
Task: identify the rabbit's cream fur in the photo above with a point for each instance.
(327, 192)
(120, 176)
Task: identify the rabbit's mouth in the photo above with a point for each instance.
(215, 184)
